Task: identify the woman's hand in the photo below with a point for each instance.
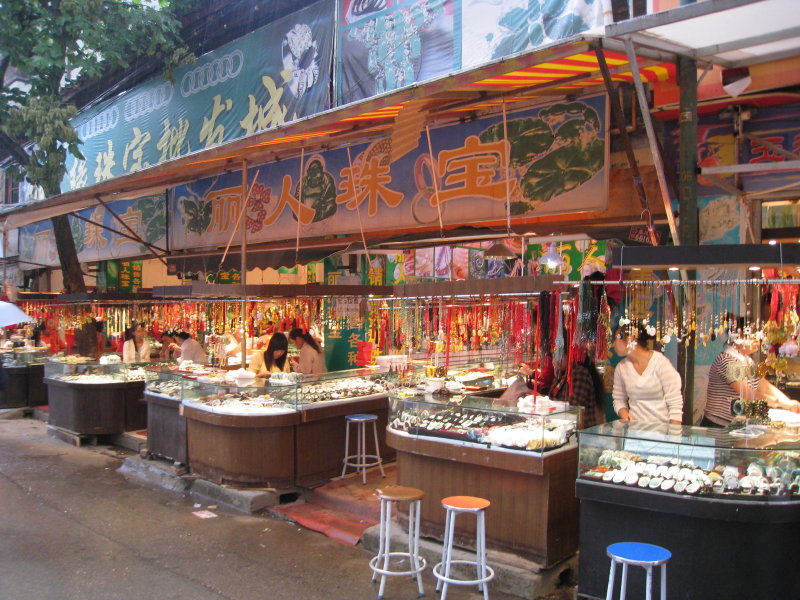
(625, 414)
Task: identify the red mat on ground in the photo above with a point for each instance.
(337, 526)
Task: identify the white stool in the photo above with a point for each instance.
(361, 460)
(454, 505)
(416, 563)
(640, 555)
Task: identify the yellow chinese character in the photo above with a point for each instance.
(136, 149)
(367, 182)
(78, 173)
(133, 219)
(210, 132)
(353, 340)
(93, 234)
(376, 276)
(332, 277)
(172, 139)
(334, 334)
(271, 114)
(351, 358)
(105, 162)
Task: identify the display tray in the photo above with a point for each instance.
(465, 437)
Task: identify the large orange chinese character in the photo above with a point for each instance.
(93, 234)
(301, 211)
(210, 132)
(225, 209)
(472, 170)
(367, 182)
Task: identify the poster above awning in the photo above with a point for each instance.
(555, 161)
(96, 233)
(274, 75)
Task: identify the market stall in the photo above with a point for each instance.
(725, 504)
(92, 398)
(285, 431)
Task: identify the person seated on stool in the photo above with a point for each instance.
(275, 359)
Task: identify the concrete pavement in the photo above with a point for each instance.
(71, 527)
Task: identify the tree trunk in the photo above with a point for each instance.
(68, 256)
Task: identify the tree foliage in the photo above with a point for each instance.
(57, 45)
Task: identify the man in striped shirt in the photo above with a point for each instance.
(728, 382)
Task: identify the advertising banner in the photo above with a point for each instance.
(146, 216)
(554, 161)
(779, 126)
(493, 29)
(384, 45)
(274, 75)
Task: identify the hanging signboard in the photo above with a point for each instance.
(274, 75)
(556, 159)
(145, 216)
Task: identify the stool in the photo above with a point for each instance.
(454, 505)
(361, 460)
(416, 563)
(640, 555)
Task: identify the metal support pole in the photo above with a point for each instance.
(687, 199)
(245, 198)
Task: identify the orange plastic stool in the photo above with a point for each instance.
(416, 563)
(455, 505)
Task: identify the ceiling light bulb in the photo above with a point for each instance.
(674, 269)
(552, 259)
(773, 242)
(755, 268)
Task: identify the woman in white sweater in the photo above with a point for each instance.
(646, 385)
(136, 348)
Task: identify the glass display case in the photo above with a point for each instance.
(251, 397)
(89, 372)
(20, 357)
(761, 463)
(483, 420)
(342, 386)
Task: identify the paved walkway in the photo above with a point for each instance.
(71, 527)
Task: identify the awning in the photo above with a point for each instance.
(564, 67)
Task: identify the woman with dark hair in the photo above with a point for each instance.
(274, 359)
(646, 385)
(136, 348)
(586, 387)
(311, 360)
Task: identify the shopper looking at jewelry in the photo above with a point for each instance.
(190, 348)
(136, 348)
(646, 385)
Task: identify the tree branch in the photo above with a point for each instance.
(14, 148)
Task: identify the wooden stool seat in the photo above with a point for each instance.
(399, 493)
(466, 503)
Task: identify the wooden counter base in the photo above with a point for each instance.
(166, 428)
(96, 409)
(241, 450)
(534, 511)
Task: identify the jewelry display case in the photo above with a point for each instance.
(699, 492)
(520, 457)
(17, 364)
(166, 426)
(94, 398)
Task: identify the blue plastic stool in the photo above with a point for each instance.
(639, 555)
(361, 461)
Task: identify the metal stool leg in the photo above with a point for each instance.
(449, 552)
(664, 581)
(649, 590)
(417, 504)
(611, 575)
(481, 526)
(624, 584)
(387, 546)
(444, 545)
(381, 536)
(346, 446)
(361, 452)
(377, 448)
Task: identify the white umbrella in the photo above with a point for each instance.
(11, 315)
